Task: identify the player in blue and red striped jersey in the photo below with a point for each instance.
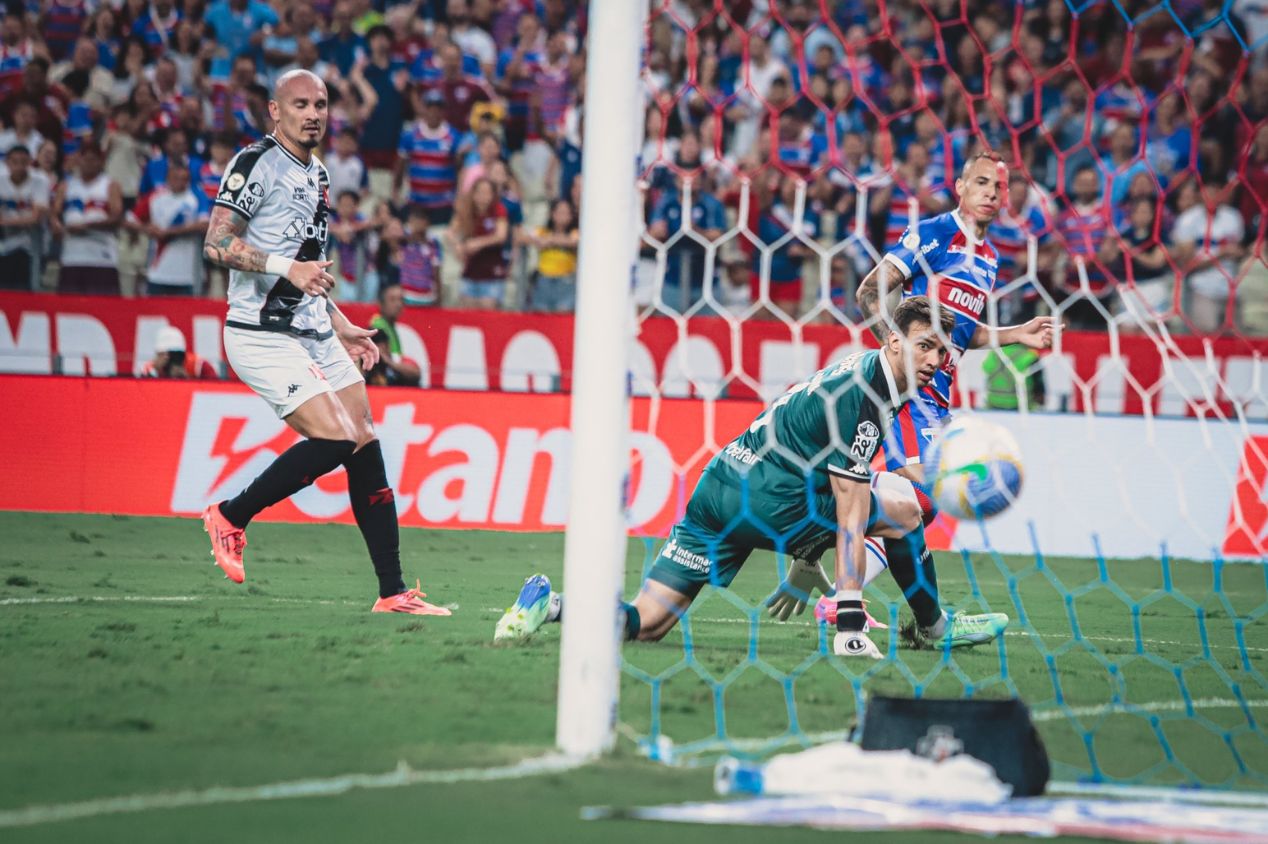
(427, 153)
(947, 258)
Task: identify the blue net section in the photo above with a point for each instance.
(789, 148)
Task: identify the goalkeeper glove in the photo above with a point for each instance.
(792, 595)
(855, 643)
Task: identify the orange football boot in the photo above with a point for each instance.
(227, 542)
(410, 601)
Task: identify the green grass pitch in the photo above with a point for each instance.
(130, 666)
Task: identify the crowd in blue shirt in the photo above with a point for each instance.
(807, 132)
(868, 118)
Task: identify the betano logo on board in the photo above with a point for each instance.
(444, 471)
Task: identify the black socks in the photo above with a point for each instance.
(911, 564)
(850, 615)
(294, 469)
(374, 507)
(373, 504)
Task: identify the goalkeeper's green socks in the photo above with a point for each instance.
(633, 621)
(911, 564)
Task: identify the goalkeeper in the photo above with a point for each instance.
(797, 481)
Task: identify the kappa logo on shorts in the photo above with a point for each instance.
(292, 390)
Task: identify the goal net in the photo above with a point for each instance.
(787, 146)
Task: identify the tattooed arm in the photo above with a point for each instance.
(886, 277)
(225, 247)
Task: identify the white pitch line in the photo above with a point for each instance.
(1014, 633)
(1208, 797)
(1132, 708)
(78, 599)
(402, 776)
(1122, 640)
(176, 599)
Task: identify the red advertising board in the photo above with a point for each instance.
(455, 459)
(1247, 531)
(483, 460)
(706, 356)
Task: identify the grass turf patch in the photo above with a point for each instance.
(128, 664)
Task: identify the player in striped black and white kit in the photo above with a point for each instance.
(287, 341)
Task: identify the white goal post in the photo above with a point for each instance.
(594, 546)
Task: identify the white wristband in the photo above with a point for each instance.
(277, 265)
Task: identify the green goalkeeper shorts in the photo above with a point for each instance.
(724, 523)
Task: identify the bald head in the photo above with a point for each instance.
(300, 79)
(298, 109)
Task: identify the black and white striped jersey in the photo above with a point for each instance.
(287, 207)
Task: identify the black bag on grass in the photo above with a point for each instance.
(997, 732)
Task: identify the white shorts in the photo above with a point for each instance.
(287, 371)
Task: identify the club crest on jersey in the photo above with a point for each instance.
(865, 440)
(980, 249)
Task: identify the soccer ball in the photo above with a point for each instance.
(976, 468)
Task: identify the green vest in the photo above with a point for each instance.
(393, 341)
(1001, 378)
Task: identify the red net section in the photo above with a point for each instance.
(789, 147)
(804, 136)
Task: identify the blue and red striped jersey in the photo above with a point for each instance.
(63, 22)
(1084, 229)
(941, 257)
(429, 154)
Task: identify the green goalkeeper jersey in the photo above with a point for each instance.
(828, 425)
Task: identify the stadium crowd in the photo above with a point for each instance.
(1139, 159)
